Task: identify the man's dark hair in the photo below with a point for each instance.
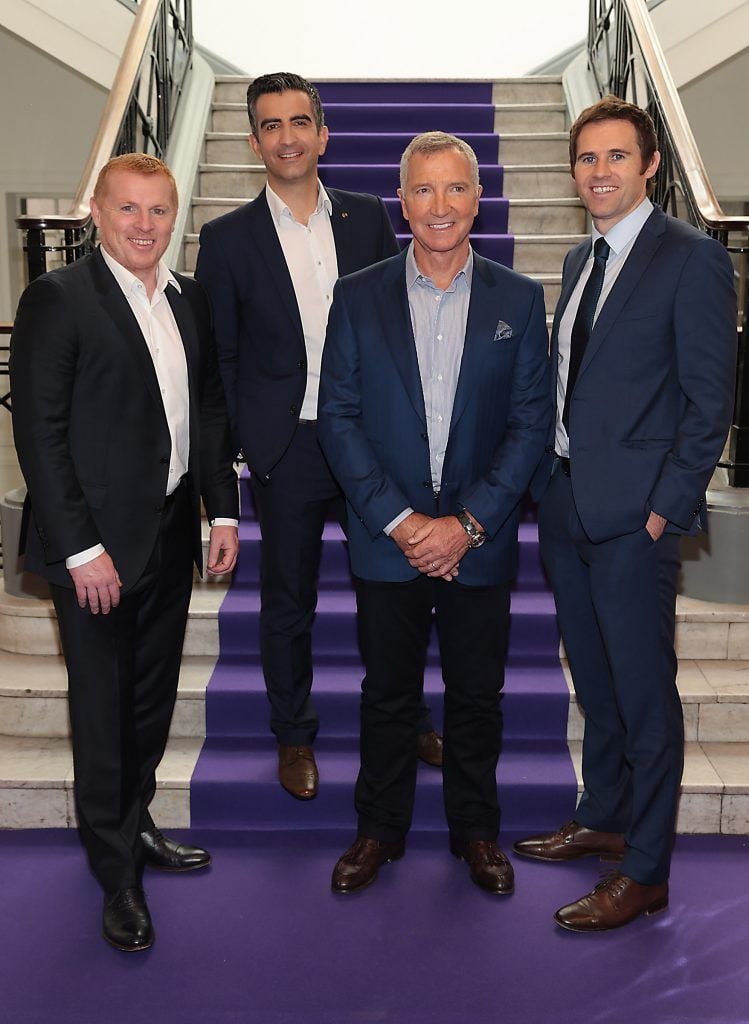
(282, 81)
(611, 108)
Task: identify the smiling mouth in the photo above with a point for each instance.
(602, 190)
(441, 227)
(143, 243)
(290, 156)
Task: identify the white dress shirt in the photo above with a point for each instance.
(309, 251)
(620, 239)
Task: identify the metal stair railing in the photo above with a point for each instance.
(138, 117)
(627, 60)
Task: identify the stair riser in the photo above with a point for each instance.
(519, 120)
(525, 90)
(547, 220)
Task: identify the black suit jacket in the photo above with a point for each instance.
(89, 423)
(258, 326)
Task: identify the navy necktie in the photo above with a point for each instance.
(583, 325)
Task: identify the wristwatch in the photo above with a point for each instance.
(475, 537)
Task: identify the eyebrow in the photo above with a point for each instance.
(616, 149)
(277, 120)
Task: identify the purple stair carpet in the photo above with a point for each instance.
(235, 785)
(259, 938)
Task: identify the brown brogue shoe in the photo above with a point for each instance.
(297, 771)
(429, 747)
(358, 866)
(613, 903)
(571, 841)
(490, 869)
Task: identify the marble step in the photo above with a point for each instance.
(527, 216)
(511, 148)
(534, 181)
(33, 697)
(704, 630)
(36, 785)
(533, 254)
(532, 89)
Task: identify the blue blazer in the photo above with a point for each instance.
(258, 326)
(654, 395)
(372, 421)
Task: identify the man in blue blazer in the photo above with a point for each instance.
(269, 269)
(433, 414)
(644, 345)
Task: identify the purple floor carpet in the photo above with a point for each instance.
(259, 939)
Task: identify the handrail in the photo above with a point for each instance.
(139, 114)
(626, 59)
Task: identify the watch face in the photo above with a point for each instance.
(477, 540)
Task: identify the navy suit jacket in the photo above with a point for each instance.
(259, 333)
(372, 422)
(654, 395)
(89, 422)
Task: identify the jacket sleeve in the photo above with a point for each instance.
(43, 362)
(705, 335)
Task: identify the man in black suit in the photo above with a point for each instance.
(269, 269)
(120, 427)
(644, 348)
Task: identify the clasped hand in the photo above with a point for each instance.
(433, 546)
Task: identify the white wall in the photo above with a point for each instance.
(390, 38)
(47, 126)
(85, 34)
(697, 35)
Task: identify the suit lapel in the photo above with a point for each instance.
(397, 330)
(185, 320)
(123, 321)
(480, 327)
(265, 237)
(644, 249)
(343, 234)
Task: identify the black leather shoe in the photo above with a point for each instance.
(429, 747)
(127, 923)
(358, 866)
(166, 855)
(490, 869)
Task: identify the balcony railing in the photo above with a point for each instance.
(627, 60)
(138, 117)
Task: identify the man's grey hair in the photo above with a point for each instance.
(435, 142)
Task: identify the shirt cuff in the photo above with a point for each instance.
(219, 521)
(397, 521)
(84, 556)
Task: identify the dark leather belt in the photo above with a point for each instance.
(307, 423)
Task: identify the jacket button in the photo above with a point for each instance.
(164, 460)
(292, 410)
(427, 483)
(301, 364)
(425, 436)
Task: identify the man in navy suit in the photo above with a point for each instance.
(269, 269)
(433, 414)
(644, 346)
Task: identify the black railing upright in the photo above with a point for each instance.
(627, 60)
(138, 117)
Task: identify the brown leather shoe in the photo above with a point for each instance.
(358, 866)
(614, 902)
(490, 869)
(429, 748)
(571, 841)
(297, 771)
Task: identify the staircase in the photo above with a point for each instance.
(529, 219)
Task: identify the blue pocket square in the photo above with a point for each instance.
(503, 331)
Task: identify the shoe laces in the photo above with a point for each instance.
(615, 884)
